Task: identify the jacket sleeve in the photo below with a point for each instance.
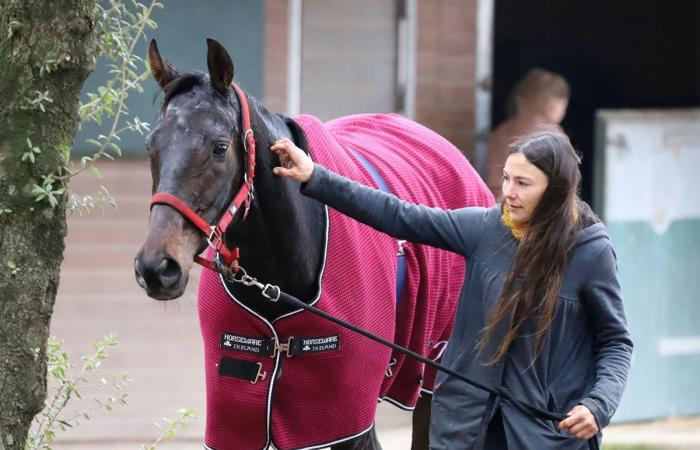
(613, 345)
(454, 230)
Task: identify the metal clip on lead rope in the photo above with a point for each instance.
(269, 291)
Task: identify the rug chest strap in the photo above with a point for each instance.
(244, 370)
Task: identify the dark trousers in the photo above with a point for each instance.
(496, 435)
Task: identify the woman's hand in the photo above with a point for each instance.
(580, 424)
(295, 164)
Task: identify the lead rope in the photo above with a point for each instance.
(274, 294)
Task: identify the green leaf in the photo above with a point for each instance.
(116, 148)
(95, 171)
(63, 422)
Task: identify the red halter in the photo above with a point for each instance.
(215, 233)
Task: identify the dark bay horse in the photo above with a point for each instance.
(198, 154)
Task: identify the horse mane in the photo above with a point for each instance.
(181, 84)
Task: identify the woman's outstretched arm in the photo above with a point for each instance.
(454, 230)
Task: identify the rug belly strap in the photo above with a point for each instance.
(244, 370)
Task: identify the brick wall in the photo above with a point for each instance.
(445, 69)
(275, 62)
(445, 66)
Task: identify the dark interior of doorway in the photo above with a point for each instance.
(615, 54)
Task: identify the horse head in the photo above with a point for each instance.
(195, 150)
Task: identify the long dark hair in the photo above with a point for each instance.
(542, 255)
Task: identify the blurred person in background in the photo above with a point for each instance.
(538, 101)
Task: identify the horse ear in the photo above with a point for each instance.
(161, 69)
(220, 66)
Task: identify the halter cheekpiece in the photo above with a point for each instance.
(227, 259)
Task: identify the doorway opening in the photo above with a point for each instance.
(622, 54)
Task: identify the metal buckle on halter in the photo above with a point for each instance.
(245, 138)
(216, 236)
(260, 375)
(248, 202)
(251, 194)
(281, 348)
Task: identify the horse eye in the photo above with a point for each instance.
(220, 148)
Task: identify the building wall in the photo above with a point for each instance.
(181, 34)
(445, 71)
(275, 59)
(646, 166)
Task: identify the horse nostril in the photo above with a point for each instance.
(168, 272)
(138, 273)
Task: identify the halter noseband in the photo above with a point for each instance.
(227, 258)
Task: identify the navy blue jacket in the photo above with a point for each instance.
(586, 355)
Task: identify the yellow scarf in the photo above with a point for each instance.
(516, 228)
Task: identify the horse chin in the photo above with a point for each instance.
(169, 294)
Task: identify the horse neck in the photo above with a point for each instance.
(282, 239)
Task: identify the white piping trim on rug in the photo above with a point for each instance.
(442, 350)
(397, 403)
(272, 328)
(400, 405)
(328, 444)
(273, 378)
(323, 269)
(427, 391)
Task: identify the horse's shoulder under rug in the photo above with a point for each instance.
(327, 391)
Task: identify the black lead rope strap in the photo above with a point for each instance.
(274, 293)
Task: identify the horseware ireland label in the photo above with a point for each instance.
(315, 344)
(247, 344)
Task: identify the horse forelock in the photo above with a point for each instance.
(183, 83)
(187, 83)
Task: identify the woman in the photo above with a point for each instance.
(540, 312)
(538, 100)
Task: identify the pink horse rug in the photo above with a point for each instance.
(324, 388)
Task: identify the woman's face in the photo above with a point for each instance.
(523, 186)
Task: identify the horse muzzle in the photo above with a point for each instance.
(160, 275)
